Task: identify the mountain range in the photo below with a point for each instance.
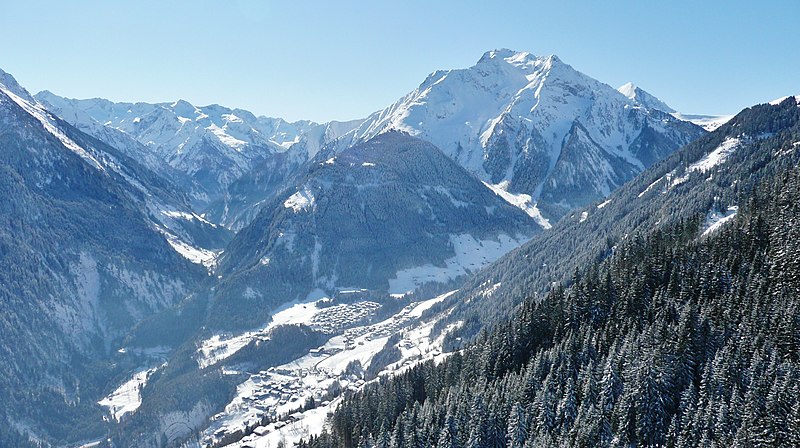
(157, 258)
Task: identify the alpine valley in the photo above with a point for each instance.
(513, 254)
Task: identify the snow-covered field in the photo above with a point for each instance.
(196, 255)
(279, 392)
(471, 255)
(127, 398)
(219, 347)
(715, 157)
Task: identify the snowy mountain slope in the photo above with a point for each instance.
(205, 149)
(386, 215)
(643, 98)
(82, 261)
(535, 124)
(270, 177)
(700, 186)
(647, 100)
(712, 170)
(165, 204)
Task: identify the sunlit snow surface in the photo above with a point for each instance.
(219, 347)
(777, 101)
(302, 200)
(468, 112)
(283, 389)
(522, 201)
(715, 220)
(706, 163)
(471, 255)
(604, 203)
(127, 398)
(196, 255)
(717, 156)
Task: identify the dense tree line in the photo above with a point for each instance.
(675, 340)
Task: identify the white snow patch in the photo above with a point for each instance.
(219, 347)
(522, 201)
(489, 291)
(231, 118)
(650, 187)
(471, 255)
(175, 214)
(367, 164)
(584, 215)
(302, 200)
(127, 398)
(717, 156)
(196, 255)
(715, 220)
(604, 203)
(226, 138)
(775, 102)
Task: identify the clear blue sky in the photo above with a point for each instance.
(343, 59)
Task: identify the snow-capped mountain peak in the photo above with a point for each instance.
(510, 117)
(10, 84)
(643, 98)
(20, 96)
(183, 108)
(628, 89)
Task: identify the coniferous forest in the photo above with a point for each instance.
(676, 340)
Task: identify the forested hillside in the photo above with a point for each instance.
(704, 178)
(678, 339)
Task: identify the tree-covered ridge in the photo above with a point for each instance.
(661, 197)
(675, 340)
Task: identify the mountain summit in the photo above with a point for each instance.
(644, 99)
(533, 125)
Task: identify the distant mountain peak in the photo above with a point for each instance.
(9, 83)
(509, 117)
(628, 89)
(520, 59)
(498, 54)
(642, 98)
(183, 108)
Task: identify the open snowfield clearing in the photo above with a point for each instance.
(218, 348)
(127, 398)
(471, 255)
(715, 157)
(196, 255)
